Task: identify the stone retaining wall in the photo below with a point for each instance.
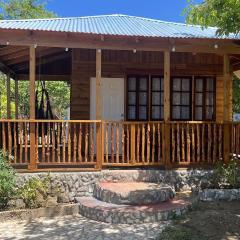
(78, 184)
(219, 194)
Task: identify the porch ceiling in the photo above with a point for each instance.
(50, 62)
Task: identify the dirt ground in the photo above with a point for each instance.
(207, 221)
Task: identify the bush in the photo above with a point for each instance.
(7, 181)
(35, 192)
(226, 175)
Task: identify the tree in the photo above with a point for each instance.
(223, 14)
(59, 92)
(15, 9)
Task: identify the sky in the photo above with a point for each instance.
(166, 10)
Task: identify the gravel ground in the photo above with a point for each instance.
(78, 227)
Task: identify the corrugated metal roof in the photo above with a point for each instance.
(116, 24)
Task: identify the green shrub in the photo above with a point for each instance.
(225, 175)
(7, 181)
(35, 191)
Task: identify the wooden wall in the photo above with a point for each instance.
(121, 63)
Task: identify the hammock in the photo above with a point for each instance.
(44, 109)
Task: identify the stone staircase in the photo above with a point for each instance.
(133, 202)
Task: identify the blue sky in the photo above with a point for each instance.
(167, 10)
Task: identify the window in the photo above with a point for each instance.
(181, 98)
(137, 98)
(157, 98)
(204, 102)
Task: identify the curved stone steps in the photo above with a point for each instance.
(97, 210)
(132, 193)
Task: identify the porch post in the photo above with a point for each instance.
(99, 126)
(16, 98)
(32, 76)
(167, 108)
(8, 96)
(226, 108)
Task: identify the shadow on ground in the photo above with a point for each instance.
(77, 227)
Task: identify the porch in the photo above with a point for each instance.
(174, 107)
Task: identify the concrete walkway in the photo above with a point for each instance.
(77, 227)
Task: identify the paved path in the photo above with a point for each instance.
(77, 227)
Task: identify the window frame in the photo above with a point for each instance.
(204, 92)
(151, 94)
(137, 91)
(181, 105)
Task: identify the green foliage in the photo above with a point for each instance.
(33, 189)
(7, 181)
(15, 9)
(225, 175)
(223, 14)
(59, 93)
(236, 95)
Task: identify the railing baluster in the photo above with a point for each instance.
(209, 142)
(26, 142)
(91, 142)
(69, 159)
(214, 142)
(75, 142)
(153, 143)
(159, 142)
(123, 143)
(80, 143)
(15, 141)
(178, 143)
(143, 143)
(203, 143)
(112, 143)
(64, 141)
(53, 143)
(58, 142)
(194, 159)
(48, 142)
(21, 142)
(9, 141)
(138, 144)
(86, 143)
(173, 152)
(188, 144)
(106, 142)
(43, 142)
(117, 143)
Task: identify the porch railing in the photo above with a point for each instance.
(38, 145)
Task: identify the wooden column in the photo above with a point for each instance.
(167, 108)
(32, 77)
(226, 108)
(16, 98)
(8, 96)
(99, 127)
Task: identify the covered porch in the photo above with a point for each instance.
(153, 118)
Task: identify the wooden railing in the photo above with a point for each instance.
(39, 145)
(57, 144)
(133, 143)
(196, 143)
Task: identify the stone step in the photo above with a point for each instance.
(97, 210)
(132, 193)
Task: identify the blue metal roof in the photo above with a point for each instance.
(116, 24)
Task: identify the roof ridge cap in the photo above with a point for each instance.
(59, 18)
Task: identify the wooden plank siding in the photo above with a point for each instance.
(120, 63)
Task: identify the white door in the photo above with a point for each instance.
(112, 99)
(112, 103)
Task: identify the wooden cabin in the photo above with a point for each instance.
(143, 93)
